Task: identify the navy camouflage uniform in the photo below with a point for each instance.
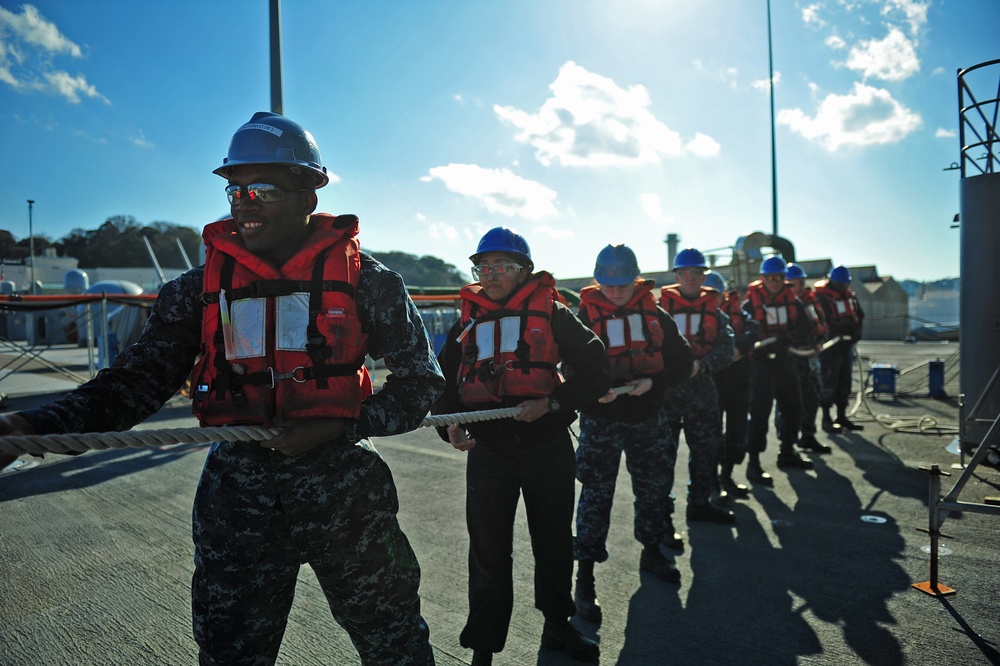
(258, 514)
(693, 407)
(637, 426)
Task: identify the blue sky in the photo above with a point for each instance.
(577, 122)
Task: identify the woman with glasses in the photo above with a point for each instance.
(504, 352)
(782, 322)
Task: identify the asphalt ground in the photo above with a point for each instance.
(96, 555)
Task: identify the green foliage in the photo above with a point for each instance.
(426, 271)
(118, 243)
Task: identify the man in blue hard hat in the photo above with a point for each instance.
(282, 315)
(782, 322)
(845, 318)
(694, 405)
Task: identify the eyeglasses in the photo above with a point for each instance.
(496, 269)
(259, 192)
(690, 272)
(774, 277)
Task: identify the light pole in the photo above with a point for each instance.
(31, 247)
(774, 157)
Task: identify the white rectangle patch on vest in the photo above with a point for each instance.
(616, 332)
(485, 335)
(776, 315)
(510, 333)
(292, 322)
(249, 327)
(635, 328)
(841, 307)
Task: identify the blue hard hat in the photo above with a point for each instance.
(616, 266)
(689, 258)
(716, 281)
(840, 274)
(269, 138)
(773, 265)
(794, 272)
(503, 239)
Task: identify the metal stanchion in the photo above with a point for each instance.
(932, 586)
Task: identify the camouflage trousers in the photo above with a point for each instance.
(694, 408)
(648, 458)
(259, 515)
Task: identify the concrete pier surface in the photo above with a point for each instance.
(96, 553)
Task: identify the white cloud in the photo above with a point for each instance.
(31, 27)
(943, 133)
(914, 11)
(552, 232)
(835, 42)
(652, 206)
(590, 121)
(866, 116)
(28, 42)
(810, 15)
(703, 145)
(499, 190)
(891, 59)
(440, 230)
(139, 139)
(762, 84)
(70, 87)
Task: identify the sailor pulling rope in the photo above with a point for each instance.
(38, 445)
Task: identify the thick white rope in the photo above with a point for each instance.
(38, 445)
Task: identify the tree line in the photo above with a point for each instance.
(118, 243)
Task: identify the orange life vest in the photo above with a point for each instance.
(631, 333)
(697, 319)
(844, 304)
(736, 314)
(508, 348)
(777, 314)
(295, 348)
(814, 312)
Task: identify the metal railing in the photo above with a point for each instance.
(977, 122)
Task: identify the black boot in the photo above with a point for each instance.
(845, 422)
(563, 636)
(482, 658)
(733, 489)
(673, 540)
(789, 458)
(587, 606)
(810, 443)
(756, 473)
(828, 424)
(710, 513)
(654, 561)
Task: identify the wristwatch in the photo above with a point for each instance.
(553, 404)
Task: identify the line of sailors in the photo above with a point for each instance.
(694, 359)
